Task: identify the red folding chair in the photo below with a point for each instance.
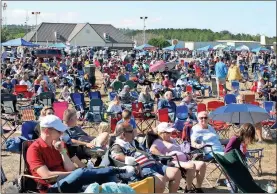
(255, 103)
(249, 98)
(195, 94)
(142, 117)
(22, 90)
(163, 115)
(221, 127)
(222, 93)
(201, 107)
(59, 108)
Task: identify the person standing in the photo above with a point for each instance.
(221, 74)
(254, 61)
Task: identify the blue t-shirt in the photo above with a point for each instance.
(131, 122)
(221, 70)
(8, 86)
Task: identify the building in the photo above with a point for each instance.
(80, 34)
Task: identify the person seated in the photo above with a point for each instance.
(125, 149)
(165, 145)
(38, 79)
(157, 88)
(197, 86)
(141, 78)
(204, 134)
(191, 104)
(262, 89)
(115, 106)
(43, 87)
(168, 103)
(25, 81)
(7, 85)
(182, 81)
(167, 83)
(78, 136)
(125, 97)
(48, 156)
(65, 94)
(145, 98)
(127, 118)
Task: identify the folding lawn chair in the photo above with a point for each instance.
(112, 95)
(78, 100)
(230, 99)
(201, 107)
(27, 181)
(27, 113)
(46, 98)
(59, 108)
(269, 106)
(249, 98)
(28, 130)
(254, 161)
(142, 117)
(235, 85)
(134, 94)
(117, 86)
(235, 169)
(163, 115)
(94, 95)
(181, 116)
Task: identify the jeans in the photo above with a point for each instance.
(75, 181)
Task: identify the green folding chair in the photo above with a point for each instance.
(235, 169)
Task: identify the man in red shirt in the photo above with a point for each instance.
(48, 156)
(167, 83)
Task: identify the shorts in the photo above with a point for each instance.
(152, 170)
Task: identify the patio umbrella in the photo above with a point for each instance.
(260, 49)
(242, 48)
(239, 113)
(158, 66)
(220, 46)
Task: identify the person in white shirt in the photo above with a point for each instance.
(25, 81)
(182, 81)
(115, 106)
(157, 87)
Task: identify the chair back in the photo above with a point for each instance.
(27, 113)
(94, 95)
(8, 102)
(96, 105)
(59, 108)
(79, 100)
(179, 124)
(20, 88)
(212, 105)
(130, 83)
(118, 86)
(269, 106)
(221, 91)
(112, 95)
(249, 98)
(122, 78)
(201, 107)
(230, 99)
(255, 103)
(134, 94)
(235, 85)
(127, 76)
(137, 109)
(163, 115)
(36, 88)
(189, 89)
(28, 130)
(182, 112)
(46, 98)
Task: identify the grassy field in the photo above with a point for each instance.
(10, 161)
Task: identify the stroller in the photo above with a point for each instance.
(235, 169)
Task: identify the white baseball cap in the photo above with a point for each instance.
(165, 127)
(53, 121)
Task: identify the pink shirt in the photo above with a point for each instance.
(169, 149)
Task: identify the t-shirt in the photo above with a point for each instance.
(114, 108)
(234, 143)
(167, 148)
(208, 137)
(76, 132)
(9, 86)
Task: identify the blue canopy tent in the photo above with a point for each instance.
(144, 46)
(229, 48)
(57, 45)
(206, 48)
(19, 42)
(175, 47)
(260, 49)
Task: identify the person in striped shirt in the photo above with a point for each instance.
(126, 149)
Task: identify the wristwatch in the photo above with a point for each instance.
(63, 151)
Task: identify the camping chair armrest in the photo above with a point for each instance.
(51, 179)
(162, 159)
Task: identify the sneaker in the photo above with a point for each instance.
(190, 191)
(199, 190)
(125, 172)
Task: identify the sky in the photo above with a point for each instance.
(253, 17)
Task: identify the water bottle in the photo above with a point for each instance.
(90, 164)
(270, 188)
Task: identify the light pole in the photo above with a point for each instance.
(144, 18)
(36, 14)
(4, 19)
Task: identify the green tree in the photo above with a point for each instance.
(159, 42)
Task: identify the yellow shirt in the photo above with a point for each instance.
(234, 73)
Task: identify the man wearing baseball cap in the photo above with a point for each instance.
(48, 157)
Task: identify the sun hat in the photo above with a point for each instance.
(165, 127)
(52, 121)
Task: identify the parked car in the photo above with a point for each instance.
(49, 53)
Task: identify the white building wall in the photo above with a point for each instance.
(189, 45)
(251, 45)
(87, 37)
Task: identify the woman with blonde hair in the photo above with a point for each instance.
(145, 98)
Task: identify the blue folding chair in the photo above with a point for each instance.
(235, 85)
(127, 76)
(181, 116)
(230, 99)
(112, 95)
(242, 68)
(134, 94)
(94, 95)
(79, 101)
(269, 106)
(28, 130)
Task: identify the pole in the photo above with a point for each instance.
(36, 28)
(144, 30)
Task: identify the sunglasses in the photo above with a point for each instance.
(203, 118)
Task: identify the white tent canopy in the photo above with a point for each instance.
(219, 46)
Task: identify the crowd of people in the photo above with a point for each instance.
(62, 144)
